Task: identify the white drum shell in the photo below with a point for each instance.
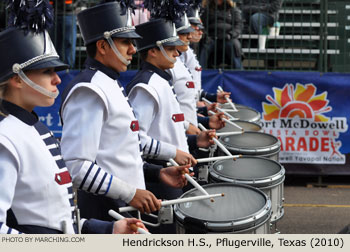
(271, 184)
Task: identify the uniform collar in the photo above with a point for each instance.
(148, 66)
(96, 65)
(20, 113)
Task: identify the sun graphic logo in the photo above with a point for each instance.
(300, 102)
(296, 116)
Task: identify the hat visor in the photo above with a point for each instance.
(176, 42)
(194, 21)
(201, 27)
(127, 34)
(52, 62)
(187, 30)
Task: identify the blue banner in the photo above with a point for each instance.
(307, 111)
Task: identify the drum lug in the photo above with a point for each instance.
(165, 215)
(273, 228)
(254, 218)
(203, 172)
(212, 150)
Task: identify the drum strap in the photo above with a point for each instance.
(194, 226)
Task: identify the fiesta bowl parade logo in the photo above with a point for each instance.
(297, 116)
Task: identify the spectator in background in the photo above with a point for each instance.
(65, 33)
(260, 14)
(2, 15)
(224, 25)
(140, 15)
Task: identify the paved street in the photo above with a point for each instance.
(311, 209)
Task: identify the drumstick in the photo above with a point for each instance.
(228, 99)
(64, 227)
(176, 201)
(231, 104)
(228, 110)
(135, 228)
(228, 121)
(191, 180)
(221, 110)
(205, 160)
(229, 133)
(216, 141)
(220, 89)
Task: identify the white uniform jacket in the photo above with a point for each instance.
(158, 111)
(36, 188)
(100, 138)
(189, 58)
(184, 87)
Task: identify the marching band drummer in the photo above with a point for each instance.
(100, 137)
(190, 60)
(153, 99)
(182, 81)
(36, 189)
(161, 120)
(189, 57)
(184, 84)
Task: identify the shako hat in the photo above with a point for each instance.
(106, 19)
(160, 30)
(193, 13)
(183, 26)
(26, 45)
(157, 32)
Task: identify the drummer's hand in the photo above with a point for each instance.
(200, 104)
(216, 122)
(174, 176)
(205, 138)
(193, 130)
(183, 158)
(127, 226)
(221, 96)
(212, 107)
(145, 201)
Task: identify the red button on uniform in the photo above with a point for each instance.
(134, 126)
(63, 178)
(190, 84)
(178, 117)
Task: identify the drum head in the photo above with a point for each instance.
(252, 143)
(244, 113)
(239, 206)
(255, 171)
(247, 126)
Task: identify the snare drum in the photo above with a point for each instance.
(263, 173)
(253, 144)
(247, 126)
(243, 209)
(244, 113)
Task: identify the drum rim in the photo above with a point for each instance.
(272, 180)
(257, 118)
(239, 231)
(270, 149)
(243, 223)
(255, 124)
